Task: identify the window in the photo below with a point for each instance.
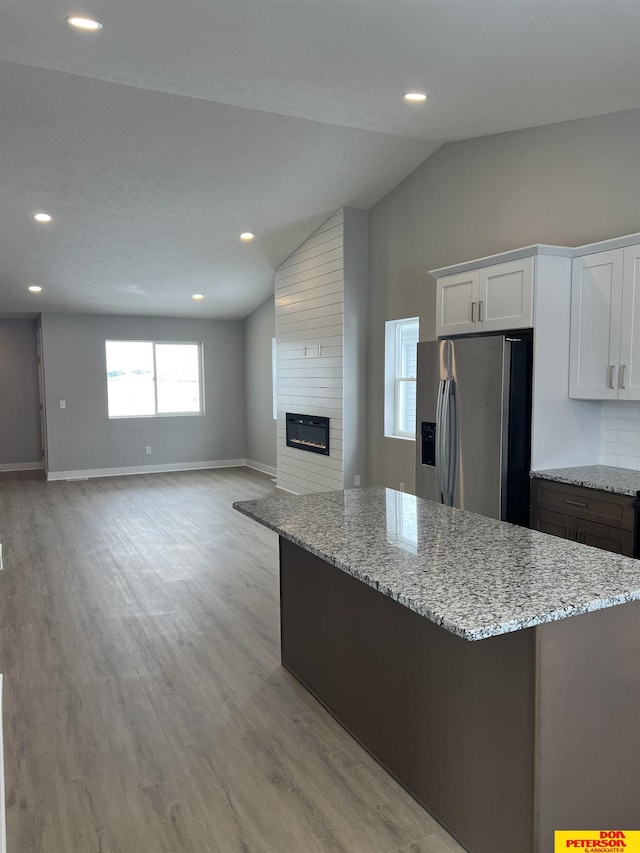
(146, 379)
(401, 340)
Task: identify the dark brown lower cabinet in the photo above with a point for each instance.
(503, 740)
(606, 537)
(554, 523)
(595, 518)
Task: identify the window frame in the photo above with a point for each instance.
(154, 343)
(393, 380)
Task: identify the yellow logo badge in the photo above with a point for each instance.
(604, 840)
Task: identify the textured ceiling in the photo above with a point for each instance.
(156, 141)
(150, 191)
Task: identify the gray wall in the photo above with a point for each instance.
(569, 184)
(19, 401)
(259, 329)
(82, 437)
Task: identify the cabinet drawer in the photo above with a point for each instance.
(590, 504)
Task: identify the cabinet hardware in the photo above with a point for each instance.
(473, 312)
(622, 383)
(575, 503)
(480, 304)
(612, 376)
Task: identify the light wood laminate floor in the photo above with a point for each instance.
(145, 707)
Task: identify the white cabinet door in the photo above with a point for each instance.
(457, 304)
(629, 371)
(596, 305)
(505, 296)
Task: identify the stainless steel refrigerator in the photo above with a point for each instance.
(473, 409)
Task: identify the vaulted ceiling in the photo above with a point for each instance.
(154, 142)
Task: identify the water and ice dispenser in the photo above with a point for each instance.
(428, 438)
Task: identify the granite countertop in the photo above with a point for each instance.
(606, 478)
(474, 576)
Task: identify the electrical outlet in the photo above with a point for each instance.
(356, 480)
(402, 487)
(63, 404)
(148, 451)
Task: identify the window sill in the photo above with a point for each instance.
(151, 417)
(401, 437)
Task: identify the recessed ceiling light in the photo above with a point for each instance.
(198, 296)
(35, 288)
(42, 217)
(247, 236)
(83, 23)
(416, 97)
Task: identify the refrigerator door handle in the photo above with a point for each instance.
(446, 443)
(453, 441)
(440, 441)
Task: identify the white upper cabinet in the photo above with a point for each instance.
(505, 296)
(605, 325)
(488, 299)
(596, 303)
(456, 304)
(629, 382)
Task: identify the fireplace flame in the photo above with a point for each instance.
(308, 443)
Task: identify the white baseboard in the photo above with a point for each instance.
(3, 820)
(288, 491)
(265, 469)
(144, 469)
(21, 466)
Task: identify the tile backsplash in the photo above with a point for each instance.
(620, 443)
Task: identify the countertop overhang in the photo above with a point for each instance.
(474, 576)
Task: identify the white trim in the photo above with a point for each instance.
(157, 415)
(397, 408)
(607, 245)
(3, 821)
(258, 466)
(1, 560)
(539, 249)
(154, 344)
(274, 375)
(393, 375)
(21, 466)
(513, 255)
(288, 491)
(144, 469)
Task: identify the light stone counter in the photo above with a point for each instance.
(474, 576)
(606, 478)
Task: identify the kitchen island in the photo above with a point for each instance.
(493, 670)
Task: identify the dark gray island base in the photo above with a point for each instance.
(503, 740)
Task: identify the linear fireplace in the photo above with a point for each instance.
(308, 432)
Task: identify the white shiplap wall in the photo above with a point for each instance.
(309, 297)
